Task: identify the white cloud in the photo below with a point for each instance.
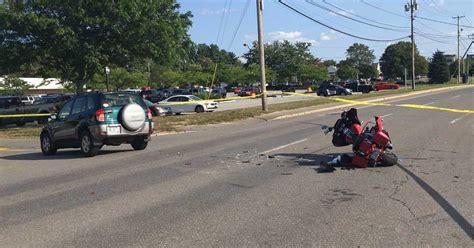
(208, 12)
(294, 36)
(327, 37)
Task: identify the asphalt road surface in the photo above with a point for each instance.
(273, 98)
(252, 183)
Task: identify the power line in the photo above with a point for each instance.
(240, 22)
(364, 18)
(337, 30)
(220, 23)
(225, 23)
(447, 23)
(384, 10)
(432, 39)
(350, 18)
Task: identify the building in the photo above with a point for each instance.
(450, 58)
(378, 69)
(332, 70)
(42, 85)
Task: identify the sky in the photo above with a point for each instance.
(384, 20)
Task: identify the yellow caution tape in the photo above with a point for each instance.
(24, 115)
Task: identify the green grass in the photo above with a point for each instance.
(20, 132)
(174, 123)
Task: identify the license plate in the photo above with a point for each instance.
(113, 130)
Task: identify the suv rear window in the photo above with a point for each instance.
(121, 99)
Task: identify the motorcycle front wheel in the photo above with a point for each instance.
(388, 159)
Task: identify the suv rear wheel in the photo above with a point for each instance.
(87, 145)
(139, 144)
(47, 146)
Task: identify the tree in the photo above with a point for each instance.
(397, 57)
(120, 79)
(12, 85)
(77, 39)
(329, 62)
(438, 68)
(312, 72)
(283, 57)
(367, 71)
(345, 72)
(359, 55)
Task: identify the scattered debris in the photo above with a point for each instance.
(245, 151)
(271, 156)
(286, 174)
(246, 161)
(456, 176)
(188, 163)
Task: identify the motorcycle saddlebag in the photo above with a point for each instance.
(338, 138)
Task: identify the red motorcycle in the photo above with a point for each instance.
(371, 147)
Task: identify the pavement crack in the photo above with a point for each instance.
(395, 192)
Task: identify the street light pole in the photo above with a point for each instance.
(107, 72)
(262, 54)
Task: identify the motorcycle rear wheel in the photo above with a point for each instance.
(389, 159)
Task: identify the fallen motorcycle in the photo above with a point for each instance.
(371, 148)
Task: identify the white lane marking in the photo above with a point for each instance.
(456, 96)
(430, 103)
(383, 116)
(457, 119)
(284, 146)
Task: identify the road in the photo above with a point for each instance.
(274, 97)
(251, 183)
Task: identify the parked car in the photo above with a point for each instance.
(178, 104)
(50, 104)
(92, 120)
(219, 92)
(331, 90)
(358, 87)
(29, 99)
(248, 91)
(151, 95)
(237, 90)
(157, 111)
(386, 86)
(288, 88)
(13, 105)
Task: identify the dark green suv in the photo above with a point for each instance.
(91, 120)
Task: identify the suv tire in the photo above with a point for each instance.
(47, 146)
(132, 117)
(87, 145)
(139, 144)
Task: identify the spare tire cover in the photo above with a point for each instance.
(132, 116)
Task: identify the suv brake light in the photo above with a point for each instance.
(148, 111)
(100, 115)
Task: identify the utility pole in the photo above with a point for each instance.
(261, 49)
(412, 6)
(459, 58)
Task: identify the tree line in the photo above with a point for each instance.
(147, 43)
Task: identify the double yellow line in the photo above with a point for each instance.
(416, 106)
